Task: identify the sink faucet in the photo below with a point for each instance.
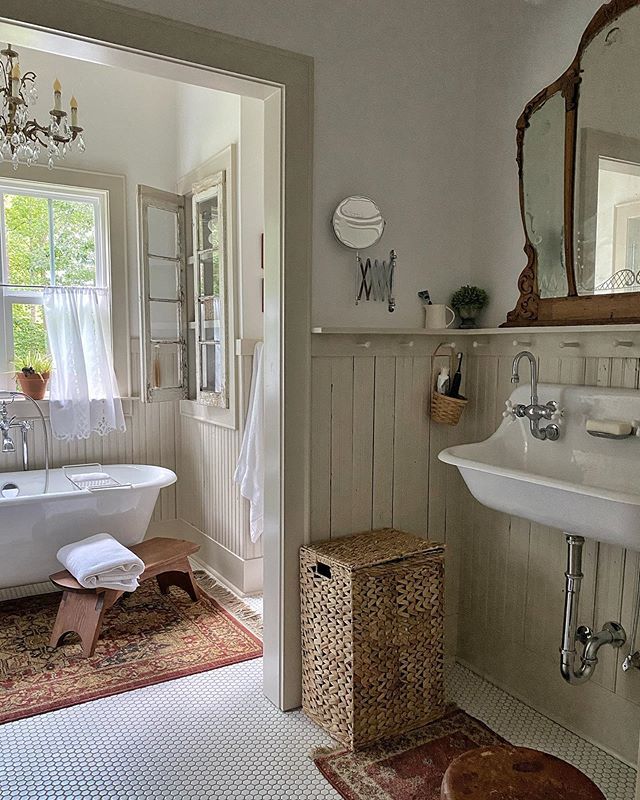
(534, 412)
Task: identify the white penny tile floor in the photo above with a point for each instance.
(214, 735)
(211, 735)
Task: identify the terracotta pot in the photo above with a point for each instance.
(33, 386)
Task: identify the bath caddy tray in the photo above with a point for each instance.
(92, 477)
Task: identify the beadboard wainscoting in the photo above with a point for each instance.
(209, 501)
(374, 449)
(150, 438)
(374, 464)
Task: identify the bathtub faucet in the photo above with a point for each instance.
(6, 424)
(24, 425)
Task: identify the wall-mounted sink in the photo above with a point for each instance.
(583, 485)
(588, 486)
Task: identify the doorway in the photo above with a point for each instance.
(110, 35)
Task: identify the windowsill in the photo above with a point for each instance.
(223, 417)
(28, 411)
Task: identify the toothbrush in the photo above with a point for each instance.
(457, 379)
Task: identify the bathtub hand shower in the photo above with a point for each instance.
(7, 423)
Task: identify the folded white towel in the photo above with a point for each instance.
(100, 562)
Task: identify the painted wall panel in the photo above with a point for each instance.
(505, 576)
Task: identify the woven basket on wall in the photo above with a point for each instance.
(372, 635)
(446, 410)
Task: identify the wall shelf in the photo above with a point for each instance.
(447, 332)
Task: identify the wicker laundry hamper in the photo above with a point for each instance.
(372, 634)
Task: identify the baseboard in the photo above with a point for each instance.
(243, 576)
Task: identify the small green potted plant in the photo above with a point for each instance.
(468, 301)
(32, 373)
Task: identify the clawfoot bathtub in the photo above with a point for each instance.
(34, 526)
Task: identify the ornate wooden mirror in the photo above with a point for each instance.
(579, 170)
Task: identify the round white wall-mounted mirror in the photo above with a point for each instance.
(358, 223)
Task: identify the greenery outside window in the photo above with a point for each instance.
(50, 235)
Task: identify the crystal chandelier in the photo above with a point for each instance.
(23, 140)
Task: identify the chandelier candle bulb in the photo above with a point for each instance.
(57, 95)
(74, 112)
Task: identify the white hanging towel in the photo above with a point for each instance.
(101, 562)
(249, 474)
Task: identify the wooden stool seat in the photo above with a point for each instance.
(82, 610)
(504, 772)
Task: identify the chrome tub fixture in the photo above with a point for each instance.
(535, 412)
(612, 633)
(8, 422)
(22, 140)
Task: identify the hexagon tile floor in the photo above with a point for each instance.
(213, 736)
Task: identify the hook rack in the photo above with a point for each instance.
(479, 344)
(374, 280)
(623, 343)
(521, 342)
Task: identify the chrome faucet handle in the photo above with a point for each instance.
(509, 410)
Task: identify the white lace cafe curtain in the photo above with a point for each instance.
(83, 397)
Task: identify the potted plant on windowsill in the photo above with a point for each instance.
(468, 302)
(32, 374)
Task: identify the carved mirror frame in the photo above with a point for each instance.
(531, 309)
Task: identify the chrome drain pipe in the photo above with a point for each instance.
(612, 633)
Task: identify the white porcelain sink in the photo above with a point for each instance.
(584, 485)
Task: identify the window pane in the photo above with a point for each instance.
(74, 238)
(165, 321)
(29, 334)
(167, 366)
(163, 278)
(211, 368)
(210, 320)
(207, 222)
(163, 232)
(209, 273)
(27, 230)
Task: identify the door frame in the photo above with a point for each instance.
(288, 227)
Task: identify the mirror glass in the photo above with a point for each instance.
(543, 175)
(607, 211)
(358, 223)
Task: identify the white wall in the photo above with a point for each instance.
(122, 112)
(394, 92)
(206, 123)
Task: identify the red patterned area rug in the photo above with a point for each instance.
(146, 638)
(410, 767)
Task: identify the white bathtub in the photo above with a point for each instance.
(34, 526)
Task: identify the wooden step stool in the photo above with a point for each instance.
(504, 772)
(82, 610)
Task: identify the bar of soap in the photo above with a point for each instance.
(614, 427)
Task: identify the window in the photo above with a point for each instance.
(187, 293)
(162, 312)
(49, 235)
(210, 293)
